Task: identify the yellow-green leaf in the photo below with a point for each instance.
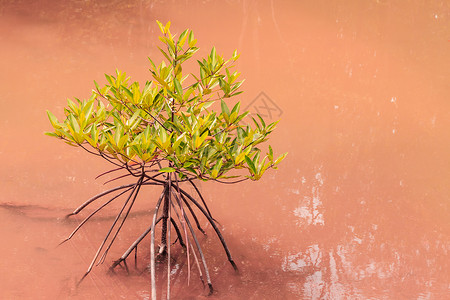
(167, 170)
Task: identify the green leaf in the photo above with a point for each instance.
(179, 140)
(235, 55)
(152, 63)
(161, 81)
(233, 117)
(262, 121)
(73, 107)
(182, 38)
(236, 107)
(124, 121)
(167, 170)
(280, 158)
(256, 123)
(270, 154)
(191, 40)
(128, 93)
(225, 109)
(122, 141)
(51, 134)
(53, 119)
(166, 28)
(73, 123)
(165, 54)
(109, 79)
(87, 109)
(178, 87)
(216, 169)
(250, 164)
(240, 158)
(161, 27)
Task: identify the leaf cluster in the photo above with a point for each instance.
(167, 124)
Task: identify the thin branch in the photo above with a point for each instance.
(163, 246)
(153, 178)
(107, 172)
(161, 182)
(88, 151)
(114, 179)
(109, 159)
(232, 182)
(154, 118)
(130, 170)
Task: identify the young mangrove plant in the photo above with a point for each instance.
(162, 134)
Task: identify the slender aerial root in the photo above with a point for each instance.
(89, 201)
(110, 230)
(201, 198)
(102, 259)
(199, 249)
(213, 224)
(93, 213)
(190, 247)
(193, 215)
(179, 237)
(176, 200)
(183, 225)
(162, 253)
(152, 244)
(133, 247)
(169, 216)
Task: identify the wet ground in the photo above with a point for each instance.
(360, 209)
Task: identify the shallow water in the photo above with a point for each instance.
(359, 209)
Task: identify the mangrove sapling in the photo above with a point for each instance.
(164, 134)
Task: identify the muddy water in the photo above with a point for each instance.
(360, 208)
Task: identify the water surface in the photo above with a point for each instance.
(359, 209)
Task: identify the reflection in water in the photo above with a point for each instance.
(308, 211)
(365, 263)
(359, 210)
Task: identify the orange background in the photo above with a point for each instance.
(358, 210)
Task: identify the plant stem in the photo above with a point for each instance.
(168, 247)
